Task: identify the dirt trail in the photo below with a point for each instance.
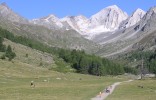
(105, 94)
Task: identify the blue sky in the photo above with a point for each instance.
(38, 8)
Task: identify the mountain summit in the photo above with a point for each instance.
(8, 14)
(107, 19)
(110, 18)
(133, 19)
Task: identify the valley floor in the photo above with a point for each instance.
(15, 78)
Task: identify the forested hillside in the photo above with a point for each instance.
(79, 60)
(138, 59)
(6, 50)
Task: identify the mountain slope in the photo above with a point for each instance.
(148, 31)
(6, 12)
(78, 23)
(56, 37)
(31, 56)
(137, 37)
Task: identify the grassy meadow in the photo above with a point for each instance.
(15, 78)
(133, 91)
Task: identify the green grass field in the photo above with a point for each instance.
(15, 78)
(132, 91)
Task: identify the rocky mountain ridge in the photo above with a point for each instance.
(109, 19)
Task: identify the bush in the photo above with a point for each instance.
(3, 57)
(26, 55)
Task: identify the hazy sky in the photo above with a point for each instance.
(61, 8)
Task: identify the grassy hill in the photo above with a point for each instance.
(38, 58)
(30, 56)
(16, 75)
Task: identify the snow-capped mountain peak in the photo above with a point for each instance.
(139, 10)
(50, 21)
(139, 13)
(133, 19)
(51, 18)
(108, 19)
(115, 7)
(81, 17)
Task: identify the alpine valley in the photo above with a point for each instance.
(76, 57)
(108, 33)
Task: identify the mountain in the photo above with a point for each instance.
(147, 31)
(48, 30)
(79, 23)
(107, 20)
(109, 32)
(101, 25)
(107, 37)
(51, 21)
(7, 13)
(133, 19)
(140, 36)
